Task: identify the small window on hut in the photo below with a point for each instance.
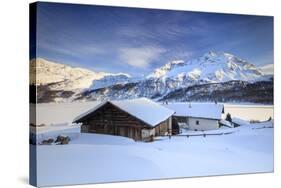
(197, 122)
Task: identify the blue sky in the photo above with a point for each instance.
(136, 41)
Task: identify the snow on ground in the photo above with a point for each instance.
(96, 158)
(52, 131)
(55, 128)
(60, 113)
(250, 111)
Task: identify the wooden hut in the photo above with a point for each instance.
(139, 119)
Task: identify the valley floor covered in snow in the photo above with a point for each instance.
(93, 158)
(96, 158)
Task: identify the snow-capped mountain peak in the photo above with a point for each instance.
(166, 68)
(177, 79)
(211, 67)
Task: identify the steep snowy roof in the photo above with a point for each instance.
(200, 110)
(143, 109)
(226, 123)
(240, 121)
(95, 107)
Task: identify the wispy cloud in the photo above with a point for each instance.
(138, 40)
(73, 50)
(160, 26)
(140, 57)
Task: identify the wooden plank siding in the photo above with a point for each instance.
(109, 119)
(162, 128)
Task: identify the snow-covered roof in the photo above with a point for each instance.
(143, 109)
(95, 107)
(200, 110)
(226, 123)
(239, 121)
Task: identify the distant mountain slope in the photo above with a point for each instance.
(267, 69)
(110, 80)
(231, 91)
(62, 77)
(211, 67)
(57, 82)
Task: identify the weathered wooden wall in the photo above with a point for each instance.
(111, 120)
(162, 128)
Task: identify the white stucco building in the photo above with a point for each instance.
(197, 116)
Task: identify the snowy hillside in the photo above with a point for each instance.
(66, 78)
(267, 69)
(110, 80)
(200, 73)
(211, 67)
(57, 82)
(61, 77)
(91, 158)
(164, 70)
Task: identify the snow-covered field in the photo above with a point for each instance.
(95, 158)
(250, 111)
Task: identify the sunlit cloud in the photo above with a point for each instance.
(136, 41)
(140, 57)
(73, 50)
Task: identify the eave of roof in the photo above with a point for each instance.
(198, 117)
(197, 110)
(89, 112)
